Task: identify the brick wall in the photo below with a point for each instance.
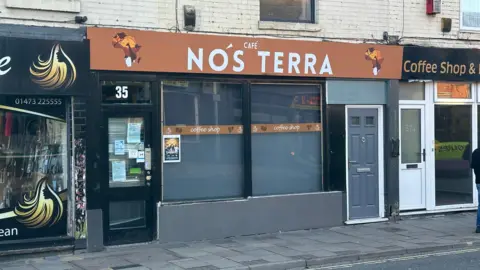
(342, 20)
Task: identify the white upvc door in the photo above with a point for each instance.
(413, 156)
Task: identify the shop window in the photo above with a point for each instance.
(286, 139)
(453, 147)
(453, 91)
(33, 167)
(287, 10)
(412, 91)
(207, 117)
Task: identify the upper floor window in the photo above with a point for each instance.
(287, 10)
(470, 15)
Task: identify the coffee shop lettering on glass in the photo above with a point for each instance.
(226, 122)
(439, 103)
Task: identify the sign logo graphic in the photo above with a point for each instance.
(55, 72)
(129, 46)
(376, 57)
(44, 209)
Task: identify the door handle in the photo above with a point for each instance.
(424, 154)
(395, 147)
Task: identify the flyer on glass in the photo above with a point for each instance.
(171, 148)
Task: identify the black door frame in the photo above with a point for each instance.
(99, 184)
(124, 194)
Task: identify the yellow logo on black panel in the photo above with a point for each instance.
(44, 208)
(57, 71)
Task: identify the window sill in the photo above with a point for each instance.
(71, 6)
(289, 26)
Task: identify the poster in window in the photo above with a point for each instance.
(171, 148)
(119, 147)
(119, 172)
(133, 132)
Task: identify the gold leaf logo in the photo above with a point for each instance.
(55, 72)
(45, 208)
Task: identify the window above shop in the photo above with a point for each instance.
(287, 10)
(470, 15)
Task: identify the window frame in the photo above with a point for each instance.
(311, 21)
(466, 28)
(247, 132)
(323, 145)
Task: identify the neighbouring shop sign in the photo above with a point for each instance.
(428, 63)
(43, 67)
(135, 50)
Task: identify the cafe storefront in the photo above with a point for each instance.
(439, 103)
(206, 136)
(40, 182)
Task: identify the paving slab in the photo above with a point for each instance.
(286, 250)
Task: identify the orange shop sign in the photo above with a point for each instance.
(148, 51)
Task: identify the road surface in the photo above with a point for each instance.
(468, 259)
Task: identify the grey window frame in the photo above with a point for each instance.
(311, 21)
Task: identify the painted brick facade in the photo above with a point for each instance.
(342, 20)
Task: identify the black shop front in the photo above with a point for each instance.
(41, 82)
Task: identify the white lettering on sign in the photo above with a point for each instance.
(251, 45)
(239, 61)
(264, 55)
(293, 62)
(211, 59)
(8, 232)
(194, 58)
(277, 66)
(282, 62)
(4, 62)
(197, 59)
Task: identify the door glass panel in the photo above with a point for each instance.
(411, 136)
(453, 139)
(127, 215)
(355, 121)
(126, 151)
(369, 120)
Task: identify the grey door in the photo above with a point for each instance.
(363, 163)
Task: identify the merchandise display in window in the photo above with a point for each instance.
(33, 172)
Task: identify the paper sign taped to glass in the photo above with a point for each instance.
(171, 149)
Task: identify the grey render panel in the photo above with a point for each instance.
(213, 220)
(95, 230)
(42, 32)
(356, 92)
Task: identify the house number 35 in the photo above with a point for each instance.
(121, 92)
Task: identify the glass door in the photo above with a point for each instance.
(128, 209)
(412, 158)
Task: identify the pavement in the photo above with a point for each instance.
(290, 250)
